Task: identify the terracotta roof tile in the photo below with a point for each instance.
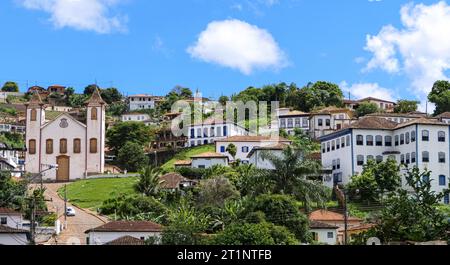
(183, 163)
(210, 155)
(9, 211)
(96, 98)
(173, 180)
(10, 230)
(372, 123)
(425, 121)
(128, 226)
(319, 225)
(445, 115)
(126, 241)
(324, 215)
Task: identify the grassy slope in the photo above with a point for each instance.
(91, 193)
(186, 154)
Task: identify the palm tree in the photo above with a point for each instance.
(149, 181)
(290, 176)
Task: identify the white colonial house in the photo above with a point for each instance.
(77, 148)
(324, 233)
(13, 237)
(209, 159)
(328, 120)
(421, 142)
(135, 116)
(245, 144)
(11, 218)
(212, 130)
(257, 157)
(290, 120)
(10, 161)
(399, 117)
(141, 102)
(114, 230)
(385, 105)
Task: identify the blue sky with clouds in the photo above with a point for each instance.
(387, 48)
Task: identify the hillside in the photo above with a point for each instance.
(186, 154)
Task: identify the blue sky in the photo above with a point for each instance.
(152, 45)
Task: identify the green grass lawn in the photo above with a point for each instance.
(186, 154)
(90, 194)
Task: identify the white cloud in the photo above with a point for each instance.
(420, 49)
(363, 90)
(238, 45)
(93, 15)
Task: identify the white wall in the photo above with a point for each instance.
(13, 221)
(134, 103)
(208, 162)
(135, 117)
(323, 236)
(257, 160)
(13, 239)
(101, 238)
(199, 134)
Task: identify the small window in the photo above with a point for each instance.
(397, 140)
(3, 221)
(320, 122)
(338, 164)
(441, 136)
(370, 158)
(369, 140)
(348, 140)
(324, 148)
(328, 122)
(413, 157)
(388, 140)
(413, 136)
(402, 139)
(33, 115)
(408, 158)
(338, 144)
(328, 147)
(441, 157)
(222, 149)
(49, 146)
(94, 114)
(447, 199)
(359, 140)
(245, 149)
(360, 160)
(379, 159)
(425, 136)
(333, 145)
(402, 159)
(93, 146)
(77, 146)
(407, 138)
(330, 235)
(63, 146)
(343, 142)
(334, 164)
(442, 180)
(32, 147)
(425, 157)
(379, 140)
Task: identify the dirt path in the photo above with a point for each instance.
(76, 225)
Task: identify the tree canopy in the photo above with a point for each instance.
(10, 87)
(121, 133)
(366, 108)
(440, 96)
(406, 106)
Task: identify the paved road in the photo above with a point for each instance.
(77, 225)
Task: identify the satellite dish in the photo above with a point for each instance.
(374, 241)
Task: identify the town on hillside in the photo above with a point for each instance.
(92, 166)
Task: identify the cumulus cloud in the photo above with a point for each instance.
(93, 15)
(239, 45)
(363, 90)
(420, 49)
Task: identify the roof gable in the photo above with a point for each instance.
(66, 115)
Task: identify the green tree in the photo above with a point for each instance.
(282, 210)
(111, 95)
(440, 96)
(12, 193)
(406, 106)
(69, 92)
(232, 150)
(255, 235)
(366, 108)
(149, 182)
(215, 191)
(319, 94)
(89, 90)
(123, 132)
(413, 216)
(117, 108)
(132, 157)
(223, 100)
(10, 87)
(290, 176)
(77, 101)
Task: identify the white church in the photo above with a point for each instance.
(77, 148)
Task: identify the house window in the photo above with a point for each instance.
(3, 221)
(338, 164)
(447, 199)
(379, 159)
(360, 160)
(342, 142)
(94, 114)
(408, 158)
(441, 136)
(359, 140)
(402, 139)
(334, 164)
(328, 122)
(369, 140)
(305, 122)
(379, 140)
(388, 140)
(225, 131)
(324, 150)
(219, 132)
(199, 133)
(283, 123)
(413, 157)
(348, 140)
(330, 235)
(425, 179)
(290, 123)
(402, 159)
(33, 115)
(442, 180)
(93, 145)
(49, 146)
(441, 157)
(222, 149)
(297, 123)
(77, 146)
(338, 144)
(328, 147)
(425, 136)
(320, 122)
(407, 138)
(397, 138)
(245, 149)
(369, 158)
(413, 136)
(32, 147)
(333, 145)
(192, 133)
(425, 157)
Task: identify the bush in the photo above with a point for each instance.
(191, 173)
(132, 157)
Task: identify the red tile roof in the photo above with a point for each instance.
(319, 225)
(445, 115)
(173, 180)
(10, 230)
(128, 226)
(126, 241)
(324, 215)
(9, 211)
(183, 163)
(210, 155)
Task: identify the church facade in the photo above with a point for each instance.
(77, 148)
